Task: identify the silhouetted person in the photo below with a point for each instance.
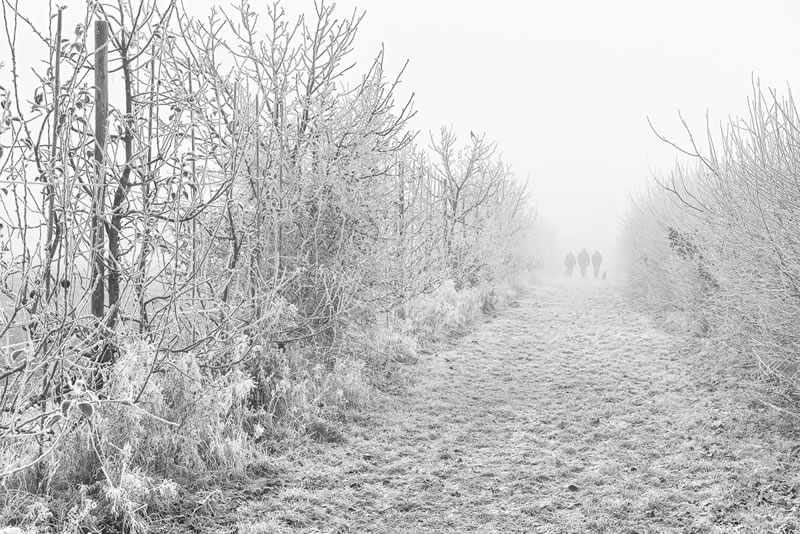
(583, 262)
(604, 275)
(569, 262)
(597, 259)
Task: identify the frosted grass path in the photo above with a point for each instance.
(568, 412)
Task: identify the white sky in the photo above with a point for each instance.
(565, 86)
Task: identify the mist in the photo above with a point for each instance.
(567, 88)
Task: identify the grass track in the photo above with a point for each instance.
(568, 412)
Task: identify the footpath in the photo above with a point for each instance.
(568, 412)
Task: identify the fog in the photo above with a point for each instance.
(566, 88)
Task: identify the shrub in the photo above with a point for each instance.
(443, 312)
(721, 242)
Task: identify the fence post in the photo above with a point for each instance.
(98, 201)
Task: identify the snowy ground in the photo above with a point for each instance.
(567, 412)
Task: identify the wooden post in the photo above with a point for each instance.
(100, 129)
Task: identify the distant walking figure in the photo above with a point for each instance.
(583, 262)
(604, 275)
(569, 263)
(597, 259)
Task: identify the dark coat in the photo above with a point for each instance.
(583, 258)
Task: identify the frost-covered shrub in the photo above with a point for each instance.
(443, 312)
(664, 254)
(298, 386)
(394, 345)
(162, 419)
(181, 410)
(129, 493)
(723, 244)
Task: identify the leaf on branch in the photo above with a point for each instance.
(87, 409)
(65, 408)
